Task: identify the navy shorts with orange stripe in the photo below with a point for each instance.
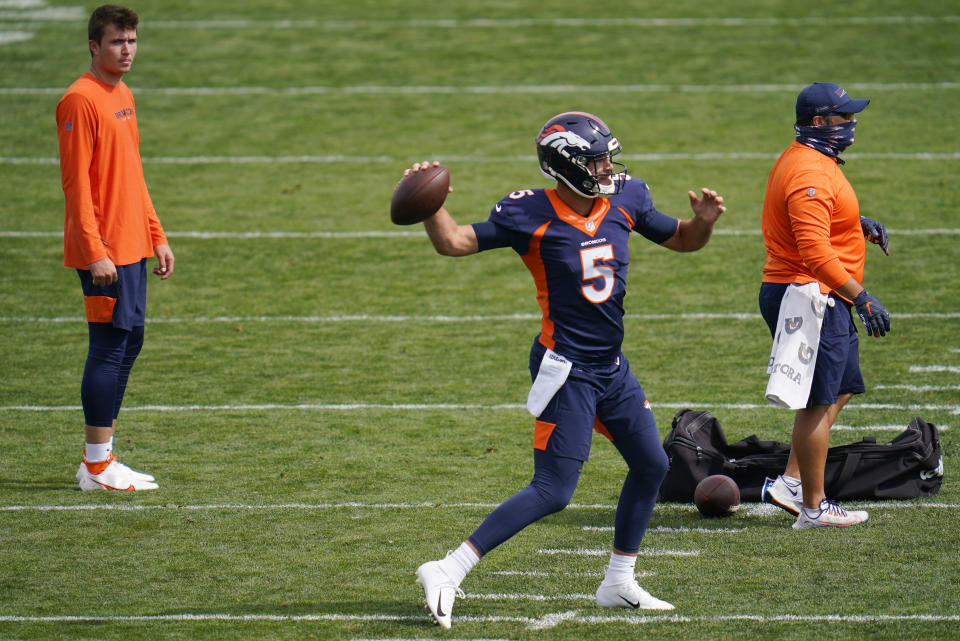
(124, 303)
(609, 400)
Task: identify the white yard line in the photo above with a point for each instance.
(485, 89)
(476, 159)
(662, 529)
(418, 234)
(935, 369)
(520, 596)
(416, 318)
(348, 407)
(920, 388)
(606, 552)
(545, 622)
(353, 505)
(40, 14)
(879, 428)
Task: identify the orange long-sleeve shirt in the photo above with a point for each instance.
(811, 222)
(108, 210)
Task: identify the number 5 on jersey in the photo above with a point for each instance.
(588, 259)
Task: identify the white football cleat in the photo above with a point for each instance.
(829, 514)
(140, 475)
(629, 595)
(115, 476)
(782, 494)
(439, 592)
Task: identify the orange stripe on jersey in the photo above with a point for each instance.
(600, 428)
(99, 308)
(541, 434)
(534, 263)
(588, 225)
(629, 220)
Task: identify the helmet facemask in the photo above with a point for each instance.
(571, 146)
(592, 184)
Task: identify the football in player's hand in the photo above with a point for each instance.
(419, 195)
(717, 495)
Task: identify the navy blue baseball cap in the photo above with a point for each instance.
(824, 99)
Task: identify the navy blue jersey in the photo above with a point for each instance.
(579, 264)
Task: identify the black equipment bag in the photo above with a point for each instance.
(909, 466)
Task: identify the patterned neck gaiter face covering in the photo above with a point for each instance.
(828, 139)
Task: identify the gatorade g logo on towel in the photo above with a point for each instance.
(792, 324)
(818, 306)
(805, 353)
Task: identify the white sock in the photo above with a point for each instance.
(620, 569)
(98, 452)
(790, 480)
(460, 561)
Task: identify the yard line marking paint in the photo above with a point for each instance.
(920, 388)
(10, 37)
(418, 234)
(606, 552)
(346, 407)
(411, 318)
(919, 369)
(860, 428)
(541, 573)
(671, 530)
(475, 159)
(485, 89)
(530, 597)
(548, 621)
(418, 639)
(61, 16)
(544, 622)
(687, 507)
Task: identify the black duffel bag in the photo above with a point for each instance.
(909, 466)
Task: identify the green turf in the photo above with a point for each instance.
(300, 398)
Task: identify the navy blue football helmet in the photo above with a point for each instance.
(567, 144)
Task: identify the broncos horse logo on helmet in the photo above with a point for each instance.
(568, 143)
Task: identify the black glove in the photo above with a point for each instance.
(875, 233)
(874, 315)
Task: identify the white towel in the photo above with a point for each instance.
(795, 346)
(551, 376)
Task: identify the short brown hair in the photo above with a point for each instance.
(121, 17)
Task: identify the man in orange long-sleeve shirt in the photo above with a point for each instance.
(110, 229)
(814, 233)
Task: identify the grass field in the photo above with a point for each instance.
(327, 403)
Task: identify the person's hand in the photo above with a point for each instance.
(875, 232)
(103, 272)
(874, 315)
(165, 259)
(419, 166)
(709, 207)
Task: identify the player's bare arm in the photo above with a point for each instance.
(448, 238)
(694, 233)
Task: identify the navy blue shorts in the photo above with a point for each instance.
(124, 303)
(838, 361)
(608, 400)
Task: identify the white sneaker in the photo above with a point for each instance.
(782, 494)
(829, 514)
(115, 476)
(439, 592)
(142, 476)
(629, 595)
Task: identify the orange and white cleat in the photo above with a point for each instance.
(112, 475)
